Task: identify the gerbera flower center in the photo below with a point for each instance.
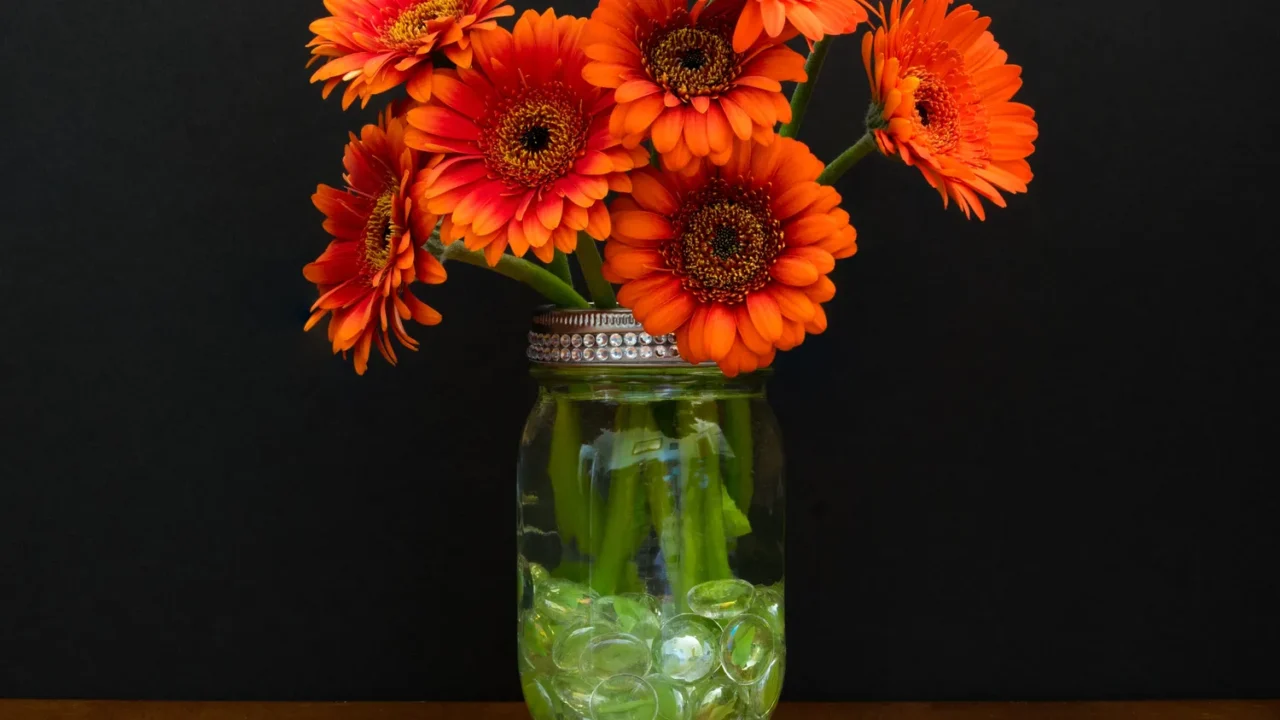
(937, 112)
(380, 232)
(406, 31)
(533, 135)
(726, 240)
(690, 61)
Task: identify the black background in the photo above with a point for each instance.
(1031, 458)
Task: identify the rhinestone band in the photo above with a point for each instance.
(597, 337)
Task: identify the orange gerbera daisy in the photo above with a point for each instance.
(679, 79)
(377, 45)
(814, 19)
(525, 155)
(940, 88)
(376, 253)
(733, 259)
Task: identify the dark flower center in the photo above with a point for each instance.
(726, 240)
(690, 61)
(532, 135)
(937, 111)
(407, 30)
(535, 138)
(380, 232)
(694, 58)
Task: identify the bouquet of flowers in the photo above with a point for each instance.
(658, 129)
(650, 477)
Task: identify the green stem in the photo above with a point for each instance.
(559, 266)
(804, 91)
(847, 160)
(716, 544)
(563, 466)
(620, 515)
(535, 276)
(662, 509)
(691, 500)
(591, 263)
(738, 476)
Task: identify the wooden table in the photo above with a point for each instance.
(86, 710)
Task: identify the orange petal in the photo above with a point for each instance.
(653, 194)
(642, 225)
(671, 316)
(766, 315)
(697, 346)
(599, 224)
(634, 263)
(747, 331)
(750, 24)
(794, 271)
(793, 303)
(634, 90)
(667, 130)
(719, 331)
(821, 260)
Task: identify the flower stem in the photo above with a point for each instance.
(847, 160)
(804, 91)
(540, 279)
(559, 266)
(620, 515)
(716, 544)
(738, 472)
(692, 496)
(591, 263)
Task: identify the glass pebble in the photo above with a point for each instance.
(688, 648)
(630, 613)
(720, 599)
(660, 351)
(615, 654)
(538, 636)
(629, 338)
(538, 573)
(746, 648)
(537, 695)
(716, 698)
(763, 696)
(567, 651)
(768, 604)
(563, 602)
(615, 340)
(646, 352)
(673, 704)
(588, 340)
(575, 692)
(624, 697)
(602, 339)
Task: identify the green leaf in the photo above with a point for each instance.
(742, 647)
(735, 522)
(630, 613)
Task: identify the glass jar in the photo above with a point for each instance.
(650, 531)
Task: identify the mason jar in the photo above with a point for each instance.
(650, 530)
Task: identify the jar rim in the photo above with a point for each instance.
(587, 337)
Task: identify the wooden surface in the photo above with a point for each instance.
(85, 710)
